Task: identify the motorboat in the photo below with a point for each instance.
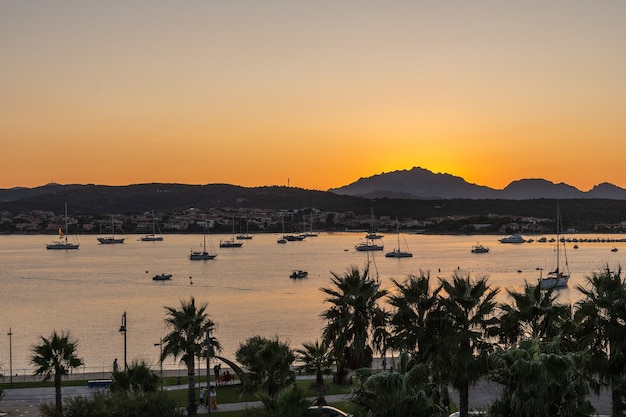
(298, 273)
(478, 248)
(369, 246)
(515, 238)
(63, 242)
(162, 277)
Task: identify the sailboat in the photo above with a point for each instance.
(63, 242)
(560, 276)
(282, 240)
(245, 236)
(109, 240)
(371, 240)
(152, 237)
(398, 253)
(311, 233)
(230, 243)
(202, 255)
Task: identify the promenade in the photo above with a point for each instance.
(25, 401)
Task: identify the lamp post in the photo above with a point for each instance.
(10, 334)
(160, 345)
(123, 330)
(208, 374)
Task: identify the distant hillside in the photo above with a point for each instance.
(419, 183)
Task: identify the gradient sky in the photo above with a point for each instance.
(317, 93)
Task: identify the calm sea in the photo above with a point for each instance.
(247, 289)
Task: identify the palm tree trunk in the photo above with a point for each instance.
(192, 409)
(57, 393)
(319, 386)
(464, 400)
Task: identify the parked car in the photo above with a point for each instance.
(327, 411)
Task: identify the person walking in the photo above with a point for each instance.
(213, 398)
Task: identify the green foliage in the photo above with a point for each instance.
(269, 363)
(355, 323)
(405, 392)
(316, 357)
(190, 327)
(138, 378)
(540, 380)
(55, 358)
(120, 404)
(290, 401)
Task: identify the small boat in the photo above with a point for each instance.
(63, 242)
(162, 277)
(152, 237)
(298, 273)
(110, 240)
(478, 248)
(202, 255)
(613, 249)
(398, 253)
(560, 276)
(515, 238)
(282, 240)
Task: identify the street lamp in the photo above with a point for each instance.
(10, 334)
(123, 331)
(160, 345)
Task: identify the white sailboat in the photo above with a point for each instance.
(371, 242)
(245, 236)
(560, 276)
(152, 237)
(204, 254)
(63, 242)
(399, 253)
(109, 240)
(282, 240)
(230, 243)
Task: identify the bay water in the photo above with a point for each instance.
(248, 289)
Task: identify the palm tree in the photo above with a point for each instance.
(137, 378)
(405, 392)
(355, 323)
(317, 356)
(190, 327)
(463, 325)
(532, 314)
(540, 380)
(269, 362)
(412, 303)
(55, 358)
(601, 315)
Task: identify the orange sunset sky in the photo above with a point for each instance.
(319, 93)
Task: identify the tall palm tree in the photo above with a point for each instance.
(413, 302)
(55, 358)
(317, 356)
(190, 327)
(355, 323)
(464, 324)
(531, 314)
(601, 315)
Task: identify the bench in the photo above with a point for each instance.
(99, 383)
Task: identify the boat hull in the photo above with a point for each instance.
(61, 245)
(553, 282)
(110, 240)
(201, 256)
(398, 254)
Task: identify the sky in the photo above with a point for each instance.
(311, 94)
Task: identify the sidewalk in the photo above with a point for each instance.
(25, 401)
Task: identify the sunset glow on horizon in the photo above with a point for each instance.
(311, 94)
